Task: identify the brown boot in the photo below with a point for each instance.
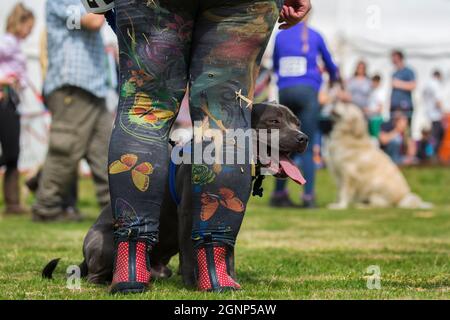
(11, 192)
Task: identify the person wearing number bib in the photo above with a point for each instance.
(299, 80)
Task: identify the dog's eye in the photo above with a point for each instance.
(274, 121)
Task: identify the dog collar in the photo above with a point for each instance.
(173, 174)
(257, 178)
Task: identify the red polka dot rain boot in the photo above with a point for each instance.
(215, 268)
(131, 268)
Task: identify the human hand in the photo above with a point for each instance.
(10, 80)
(293, 12)
(396, 83)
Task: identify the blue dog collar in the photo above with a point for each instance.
(172, 182)
(173, 175)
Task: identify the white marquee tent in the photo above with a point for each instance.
(354, 29)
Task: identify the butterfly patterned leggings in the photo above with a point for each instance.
(213, 48)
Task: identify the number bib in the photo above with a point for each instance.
(293, 66)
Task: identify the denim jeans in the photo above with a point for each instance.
(303, 101)
(394, 149)
(212, 47)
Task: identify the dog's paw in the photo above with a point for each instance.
(362, 206)
(337, 206)
(426, 206)
(161, 271)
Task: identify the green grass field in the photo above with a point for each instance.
(281, 254)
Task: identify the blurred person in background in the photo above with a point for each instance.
(75, 89)
(295, 58)
(433, 98)
(359, 86)
(375, 107)
(71, 199)
(425, 147)
(403, 85)
(13, 78)
(395, 141)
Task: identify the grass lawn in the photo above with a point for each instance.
(281, 254)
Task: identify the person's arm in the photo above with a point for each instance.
(293, 12)
(386, 137)
(406, 85)
(344, 96)
(92, 22)
(400, 128)
(330, 66)
(7, 48)
(9, 81)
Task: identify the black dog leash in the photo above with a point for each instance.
(257, 179)
(258, 190)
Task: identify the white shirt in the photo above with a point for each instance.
(376, 99)
(432, 94)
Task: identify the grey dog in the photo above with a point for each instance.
(176, 220)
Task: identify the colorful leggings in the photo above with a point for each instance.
(212, 47)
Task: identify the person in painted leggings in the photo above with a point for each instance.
(299, 79)
(213, 47)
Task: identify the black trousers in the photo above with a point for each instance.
(9, 133)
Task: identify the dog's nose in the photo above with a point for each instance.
(303, 139)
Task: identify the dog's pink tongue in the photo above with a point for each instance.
(291, 170)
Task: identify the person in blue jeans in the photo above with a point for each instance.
(299, 80)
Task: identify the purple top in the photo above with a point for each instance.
(12, 60)
(295, 67)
